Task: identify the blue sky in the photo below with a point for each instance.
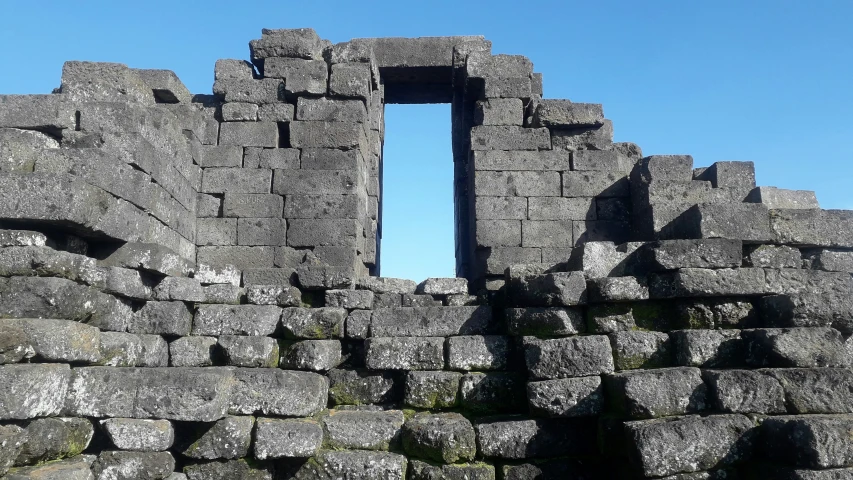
(767, 81)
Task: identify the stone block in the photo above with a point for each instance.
(815, 390)
(419, 470)
(551, 289)
(704, 253)
(352, 80)
(779, 198)
(218, 320)
(529, 160)
(432, 390)
(228, 438)
(708, 348)
(313, 323)
(275, 112)
(20, 149)
(52, 439)
(331, 159)
(292, 43)
(249, 134)
(405, 353)
(690, 444)
(524, 439)
(420, 301)
(478, 353)
(600, 161)
(701, 282)
(334, 206)
(492, 392)
(58, 341)
(285, 296)
(313, 182)
(236, 180)
(314, 355)
(104, 82)
(615, 209)
(498, 233)
(240, 469)
(326, 232)
(794, 347)
(261, 231)
(162, 318)
(828, 260)
(365, 430)
(238, 257)
(363, 387)
(568, 357)
(431, 321)
(51, 112)
(314, 277)
(179, 289)
(811, 227)
(773, 256)
(255, 91)
(501, 208)
(193, 351)
(716, 313)
(139, 435)
(77, 468)
(330, 110)
(595, 184)
(589, 137)
(807, 310)
(610, 318)
(443, 286)
(545, 322)
(252, 205)
(656, 393)
(226, 274)
(249, 351)
(443, 438)
(287, 438)
(812, 441)
(617, 289)
(499, 111)
(277, 392)
(349, 299)
(354, 464)
(744, 391)
(749, 222)
(223, 293)
(22, 238)
(216, 231)
(147, 465)
(638, 349)
(491, 137)
(316, 134)
(563, 113)
(516, 184)
(560, 208)
(239, 112)
(677, 168)
(566, 397)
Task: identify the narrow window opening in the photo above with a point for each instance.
(417, 193)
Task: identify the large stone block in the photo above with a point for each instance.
(139, 435)
(544, 321)
(137, 465)
(547, 233)
(566, 397)
(339, 135)
(595, 184)
(104, 82)
(364, 430)
(315, 355)
(510, 138)
(405, 353)
(708, 348)
(568, 357)
(419, 470)
(249, 134)
(59, 340)
(227, 438)
(432, 390)
(363, 387)
(431, 321)
(310, 182)
(478, 352)
(656, 393)
(795, 347)
(303, 438)
(638, 349)
(563, 113)
(520, 439)
(744, 391)
(444, 438)
(354, 464)
(779, 198)
(300, 76)
(313, 323)
(77, 468)
(236, 320)
(19, 149)
(249, 351)
(292, 43)
(531, 160)
(690, 444)
(48, 112)
(810, 441)
(552, 289)
(492, 392)
(242, 469)
(162, 318)
(701, 282)
(252, 205)
(236, 180)
(517, 184)
(277, 392)
(326, 232)
(351, 80)
(706, 253)
(749, 222)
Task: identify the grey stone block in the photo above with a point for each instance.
(315, 355)
(411, 300)
(47, 439)
(77, 468)
(330, 110)
(249, 134)
(690, 444)
(821, 228)
(656, 393)
(162, 318)
(261, 231)
(825, 259)
(794, 347)
(313, 277)
(496, 259)
(517, 184)
(226, 274)
(365, 430)
(443, 438)
(589, 137)
(350, 299)
(363, 387)
(36, 111)
(20, 149)
(600, 161)
(193, 351)
(746, 221)
(405, 353)
(530, 160)
(104, 82)
(331, 159)
(701, 282)
(57, 340)
(490, 137)
(617, 289)
(563, 113)
(492, 392)
(278, 392)
(717, 313)
(478, 353)
(239, 112)
(498, 233)
(615, 209)
(233, 69)
(500, 208)
(815, 390)
(551, 289)
(313, 182)
(547, 233)
(597, 184)
(812, 441)
(216, 231)
(499, 111)
(222, 293)
(419, 470)
(677, 168)
(566, 397)
(236, 180)
(256, 91)
(432, 390)
(143, 465)
(304, 438)
(544, 322)
(252, 205)
(774, 256)
(744, 391)
(708, 348)
(523, 439)
(139, 435)
(179, 289)
(826, 308)
(313, 323)
(275, 112)
(249, 351)
(443, 286)
(323, 232)
(282, 295)
(316, 134)
(778, 198)
(358, 324)
(31, 391)
(218, 320)
(242, 469)
(238, 257)
(568, 357)
(354, 464)
(431, 321)
(600, 230)
(228, 438)
(292, 42)
(325, 206)
(560, 208)
(704, 253)
(638, 349)
(22, 238)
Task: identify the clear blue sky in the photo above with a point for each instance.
(766, 80)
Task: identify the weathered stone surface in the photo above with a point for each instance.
(12, 439)
(77, 468)
(286, 296)
(544, 321)
(50, 439)
(315, 355)
(810, 441)
(772, 256)
(419, 470)
(492, 392)
(479, 353)
(815, 390)
(363, 387)
(744, 391)
(354, 464)
(387, 285)
(568, 357)
(690, 444)
(236, 320)
(708, 348)
(34, 390)
(181, 289)
(563, 113)
(187, 394)
(59, 340)
(829, 260)
(509, 138)
(277, 392)
(638, 349)
(249, 351)
(365, 430)
(656, 393)
(162, 318)
(134, 465)
(350, 299)
(139, 435)
(405, 353)
(431, 321)
(237, 469)
(702, 282)
(150, 257)
(313, 323)
(747, 221)
(443, 286)
(287, 438)
(552, 289)
(705, 253)
(566, 397)
(716, 313)
(444, 438)
(520, 438)
(195, 351)
(779, 198)
(226, 274)
(617, 289)
(432, 390)
(794, 347)
(228, 438)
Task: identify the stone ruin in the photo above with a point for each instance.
(189, 286)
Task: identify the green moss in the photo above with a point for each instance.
(654, 316)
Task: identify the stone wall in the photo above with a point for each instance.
(189, 286)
